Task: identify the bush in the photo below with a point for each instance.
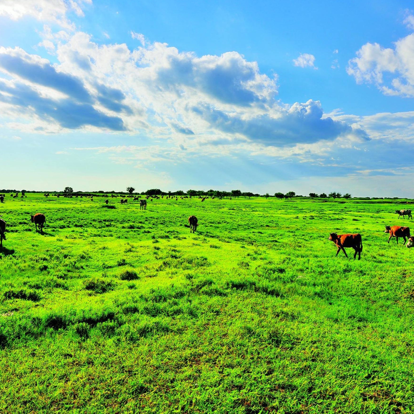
(129, 275)
(22, 294)
(98, 285)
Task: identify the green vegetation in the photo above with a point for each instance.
(123, 310)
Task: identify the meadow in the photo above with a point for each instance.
(114, 309)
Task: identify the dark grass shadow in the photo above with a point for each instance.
(44, 233)
(6, 251)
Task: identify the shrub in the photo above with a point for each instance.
(22, 294)
(98, 285)
(129, 275)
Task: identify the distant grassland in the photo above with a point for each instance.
(122, 310)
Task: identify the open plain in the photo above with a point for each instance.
(117, 309)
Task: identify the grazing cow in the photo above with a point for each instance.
(106, 202)
(2, 231)
(193, 223)
(39, 219)
(404, 213)
(410, 242)
(347, 240)
(397, 231)
(142, 204)
(2, 199)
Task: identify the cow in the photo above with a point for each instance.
(142, 204)
(1, 199)
(39, 219)
(193, 223)
(397, 231)
(106, 202)
(2, 231)
(347, 240)
(404, 213)
(410, 242)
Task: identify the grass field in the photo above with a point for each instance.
(121, 310)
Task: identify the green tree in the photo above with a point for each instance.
(313, 195)
(347, 195)
(323, 195)
(290, 194)
(130, 190)
(68, 190)
(236, 193)
(279, 195)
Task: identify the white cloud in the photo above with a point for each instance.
(305, 60)
(138, 36)
(390, 69)
(54, 11)
(409, 21)
(208, 105)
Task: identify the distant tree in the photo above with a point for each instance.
(248, 194)
(267, 195)
(347, 195)
(279, 195)
(155, 191)
(192, 192)
(290, 194)
(68, 190)
(313, 195)
(323, 195)
(130, 190)
(236, 193)
(335, 195)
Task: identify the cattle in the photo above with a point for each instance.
(124, 201)
(347, 240)
(2, 231)
(404, 213)
(410, 242)
(1, 199)
(397, 231)
(106, 202)
(193, 223)
(38, 219)
(143, 204)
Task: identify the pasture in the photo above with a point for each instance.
(124, 310)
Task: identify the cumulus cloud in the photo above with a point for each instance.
(66, 112)
(390, 69)
(305, 60)
(54, 11)
(215, 104)
(301, 123)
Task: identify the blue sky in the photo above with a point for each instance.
(262, 96)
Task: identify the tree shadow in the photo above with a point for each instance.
(6, 251)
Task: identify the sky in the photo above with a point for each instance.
(262, 96)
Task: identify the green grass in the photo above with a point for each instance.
(123, 310)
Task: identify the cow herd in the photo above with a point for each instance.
(341, 241)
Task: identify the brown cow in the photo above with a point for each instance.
(397, 231)
(410, 242)
(39, 219)
(143, 204)
(347, 240)
(193, 223)
(2, 231)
